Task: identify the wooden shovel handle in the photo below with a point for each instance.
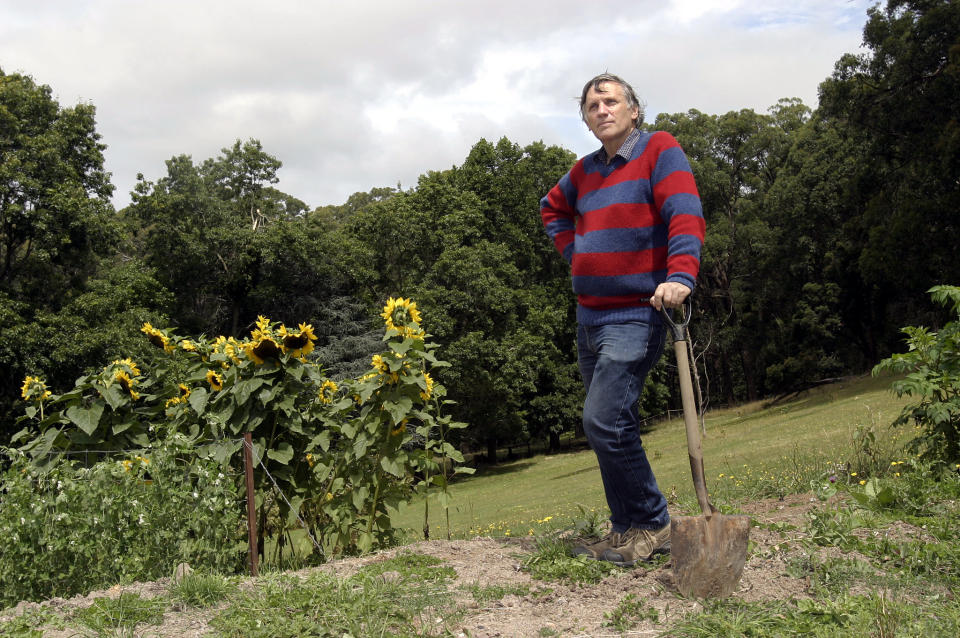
(694, 449)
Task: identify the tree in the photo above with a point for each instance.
(55, 217)
(901, 101)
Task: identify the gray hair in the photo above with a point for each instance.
(628, 92)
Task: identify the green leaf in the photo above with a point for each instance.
(245, 388)
(87, 419)
(282, 454)
(198, 399)
(392, 465)
(294, 513)
(398, 410)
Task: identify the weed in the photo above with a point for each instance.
(199, 589)
(490, 593)
(119, 616)
(552, 561)
(29, 624)
(404, 595)
(629, 612)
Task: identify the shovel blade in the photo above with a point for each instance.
(708, 553)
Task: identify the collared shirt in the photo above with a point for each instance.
(625, 149)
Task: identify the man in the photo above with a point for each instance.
(628, 219)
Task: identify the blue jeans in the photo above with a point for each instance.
(614, 361)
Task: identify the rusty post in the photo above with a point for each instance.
(251, 501)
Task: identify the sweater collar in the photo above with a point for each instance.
(626, 149)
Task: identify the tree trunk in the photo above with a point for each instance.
(492, 450)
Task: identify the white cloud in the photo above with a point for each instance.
(352, 96)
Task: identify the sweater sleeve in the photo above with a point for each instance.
(678, 202)
(557, 210)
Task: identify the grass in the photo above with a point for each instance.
(860, 579)
(751, 451)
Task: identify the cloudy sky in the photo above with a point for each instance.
(355, 95)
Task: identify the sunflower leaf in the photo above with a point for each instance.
(282, 453)
(87, 419)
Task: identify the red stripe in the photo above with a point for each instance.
(687, 225)
(639, 168)
(675, 182)
(687, 264)
(621, 301)
(619, 216)
(562, 239)
(612, 264)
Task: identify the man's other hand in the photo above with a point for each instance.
(669, 294)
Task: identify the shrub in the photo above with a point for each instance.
(73, 528)
(932, 369)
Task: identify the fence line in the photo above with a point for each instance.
(259, 461)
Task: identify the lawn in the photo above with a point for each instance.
(774, 447)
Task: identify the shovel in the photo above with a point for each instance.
(708, 551)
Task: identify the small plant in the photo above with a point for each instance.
(490, 593)
(552, 561)
(629, 613)
(932, 369)
(120, 616)
(29, 624)
(199, 589)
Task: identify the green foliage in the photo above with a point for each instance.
(552, 561)
(392, 602)
(629, 612)
(202, 589)
(80, 527)
(932, 377)
(120, 616)
(341, 455)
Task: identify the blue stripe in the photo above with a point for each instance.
(616, 240)
(638, 284)
(670, 161)
(680, 203)
(684, 245)
(636, 191)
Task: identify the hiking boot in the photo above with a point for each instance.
(596, 549)
(638, 544)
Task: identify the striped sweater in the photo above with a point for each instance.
(627, 226)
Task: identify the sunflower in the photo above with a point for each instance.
(129, 365)
(400, 429)
(215, 380)
(261, 349)
(426, 394)
(298, 344)
(228, 346)
(34, 388)
(188, 345)
(328, 390)
(157, 337)
(402, 315)
(121, 377)
(182, 398)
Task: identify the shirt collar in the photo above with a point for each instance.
(626, 149)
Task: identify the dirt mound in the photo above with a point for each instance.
(549, 608)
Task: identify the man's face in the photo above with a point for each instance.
(607, 114)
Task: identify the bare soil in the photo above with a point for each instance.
(564, 610)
